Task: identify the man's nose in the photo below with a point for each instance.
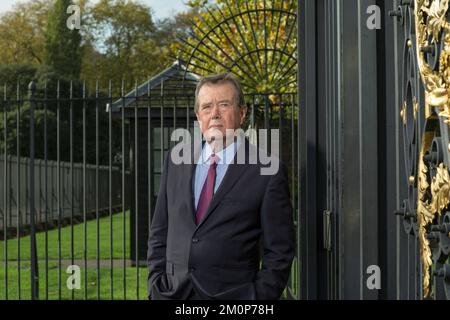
(215, 111)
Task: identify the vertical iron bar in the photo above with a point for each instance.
(280, 123)
(162, 125)
(293, 150)
(71, 181)
(149, 157)
(327, 115)
(52, 196)
(123, 196)
(27, 193)
(46, 190)
(96, 186)
(5, 190)
(58, 179)
(417, 296)
(266, 123)
(408, 273)
(252, 117)
(40, 194)
(174, 114)
(136, 177)
(110, 192)
(300, 268)
(187, 114)
(18, 202)
(294, 202)
(34, 262)
(265, 44)
(84, 191)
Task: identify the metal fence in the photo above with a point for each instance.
(46, 193)
(81, 179)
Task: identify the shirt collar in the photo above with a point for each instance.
(224, 156)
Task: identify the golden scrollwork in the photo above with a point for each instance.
(440, 199)
(430, 18)
(424, 214)
(432, 28)
(403, 113)
(415, 107)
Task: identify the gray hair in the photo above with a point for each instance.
(218, 79)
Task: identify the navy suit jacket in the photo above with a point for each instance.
(242, 249)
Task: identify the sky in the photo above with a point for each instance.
(161, 8)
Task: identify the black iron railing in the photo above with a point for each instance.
(80, 175)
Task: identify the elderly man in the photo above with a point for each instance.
(214, 215)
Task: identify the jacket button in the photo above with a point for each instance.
(195, 240)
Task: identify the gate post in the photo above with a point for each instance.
(307, 145)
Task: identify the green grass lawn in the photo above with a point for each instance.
(293, 283)
(104, 236)
(92, 282)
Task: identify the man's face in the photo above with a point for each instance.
(218, 111)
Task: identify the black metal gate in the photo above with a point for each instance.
(81, 161)
(374, 149)
(365, 132)
(423, 42)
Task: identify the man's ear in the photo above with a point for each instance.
(243, 113)
(199, 122)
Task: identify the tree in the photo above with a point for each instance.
(13, 76)
(22, 33)
(63, 46)
(122, 43)
(16, 78)
(169, 30)
(15, 109)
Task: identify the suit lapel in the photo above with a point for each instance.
(189, 191)
(188, 188)
(234, 172)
